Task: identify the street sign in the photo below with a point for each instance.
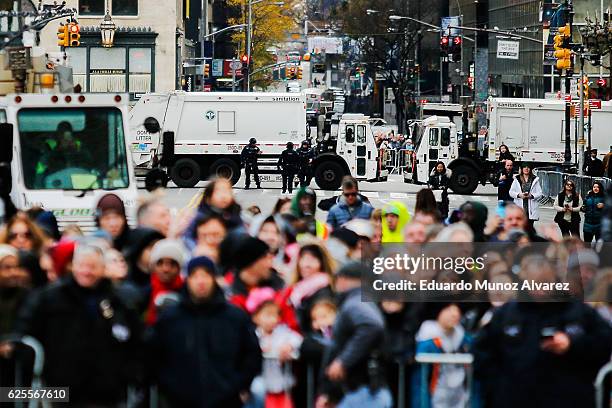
(594, 103)
(217, 68)
(567, 98)
(508, 49)
(236, 65)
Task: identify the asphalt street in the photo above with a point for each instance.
(185, 199)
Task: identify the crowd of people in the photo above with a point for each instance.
(229, 306)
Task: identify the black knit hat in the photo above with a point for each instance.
(201, 262)
(249, 250)
(352, 269)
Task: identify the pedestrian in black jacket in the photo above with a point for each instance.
(504, 181)
(593, 166)
(351, 362)
(92, 340)
(204, 350)
(248, 160)
(539, 353)
(289, 164)
(504, 154)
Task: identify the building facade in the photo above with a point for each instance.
(147, 52)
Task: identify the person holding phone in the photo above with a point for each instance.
(568, 210)
(526, 190)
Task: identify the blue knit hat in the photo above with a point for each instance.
(201, 262)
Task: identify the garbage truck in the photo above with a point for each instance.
(201, 134)
(533, 130)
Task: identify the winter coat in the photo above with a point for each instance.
(593, 167)
(327, 203)
(404, 217)
(439, 181)
(536, 194)
(239, 291)
(204, 354)
(516, 372)
(358, 332)
(592, 214)
(559, 207)
(92, 341)
(503, 186)
(446, 382)
(341, 213)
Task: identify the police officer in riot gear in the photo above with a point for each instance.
(289, 164)
(248, 159)
(307, 155)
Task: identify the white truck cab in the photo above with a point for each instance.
(435, 139)
(63, 152)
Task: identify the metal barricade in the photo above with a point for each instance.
(552, 182)
(425, 359)
(603, 373)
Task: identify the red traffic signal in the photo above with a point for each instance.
(444, 41)
(244, 59)
(457, 40)
(601, 82)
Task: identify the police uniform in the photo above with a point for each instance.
(248, 158)
(306, 154)
(289, 164)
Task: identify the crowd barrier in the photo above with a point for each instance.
(395, 160)
(423, 360)
(552, 182)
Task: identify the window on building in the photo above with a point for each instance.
(125, 7)
(91, 7)
(107, 69)
(78, 62)
(140, 69)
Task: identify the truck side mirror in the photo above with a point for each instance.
(6, 142)
(151, 125)
(167, 149)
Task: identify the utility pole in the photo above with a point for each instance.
(203, 26)
(581, 141)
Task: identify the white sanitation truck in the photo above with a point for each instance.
(63, 152)
(533, 130)
(201, 134)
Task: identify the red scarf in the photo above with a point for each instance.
(159, 288)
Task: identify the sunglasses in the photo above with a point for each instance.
(14, 235)
(569, 185)
(350, 194)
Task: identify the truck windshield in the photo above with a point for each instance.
(73, 149)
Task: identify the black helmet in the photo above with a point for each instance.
(252, 140)
(305, 142)
(289, 145)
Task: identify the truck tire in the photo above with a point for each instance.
(328, 175)
(185, 173)
(464, 180)
(225, 168)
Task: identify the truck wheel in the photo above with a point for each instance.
(328, 175)
(185, 173)
(464, 180)
(225, 168)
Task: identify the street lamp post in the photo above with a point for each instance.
(107, 30)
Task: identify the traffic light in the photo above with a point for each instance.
(585, 87)
(563, 54)
(244, 59)
(299, 73)
(357, 72)
(206, 70)
(455, 49)
(444, 40)
(62, 35)
(74, 35)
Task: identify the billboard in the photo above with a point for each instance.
(508, 49)
(329, 45)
